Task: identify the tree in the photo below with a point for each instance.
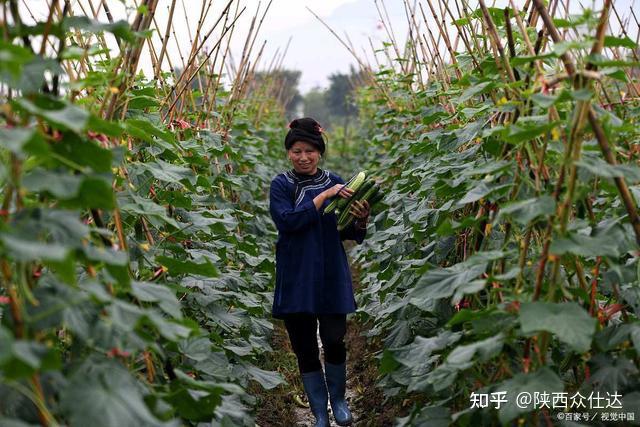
(340, 98)
(282, 85)
(315, 105)
(341, 92)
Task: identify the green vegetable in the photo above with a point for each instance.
(370, 195)
(354, 184)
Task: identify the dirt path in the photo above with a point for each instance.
(303, 416)
(280, 407)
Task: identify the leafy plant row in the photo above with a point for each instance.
(506, 259)
(135, 251)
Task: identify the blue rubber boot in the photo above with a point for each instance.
(316, 389)
(337, 385)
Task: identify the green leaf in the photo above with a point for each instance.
(164, 296)
(8, 422)
(77, 190)
(6, 343)
(196, 348)
(543, 100)
(197, 400)
(267, 379)
(64, 115)
(168, 172)
(95, 193)
(613, 241)
(178, 267)
(136, 205)
(462, 358)
(634, 334)
(528, 130)
(84, 152)
(109, 128)
(61, 185)
(141, 102)
(29, 250)
(564, 46)
(432, 416)
(23, 141)
(22, 358)
(476, 89)
(598, 167)
(387, 363)
(144, 129)
(481, 190)
(456, 281)
(102, 393)
(32, 77)
(568, 321)
(170, 330)
(525, 211)
(483, 350)
(543, 380)
(612, 373)
(120, 29)
(613, 41)
(422, 348)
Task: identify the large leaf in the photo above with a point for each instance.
(461, 358)
(542, 381)
(529, 128)
(599, 167)
(168, 172)
(164, 296)
(92, 191)
(613, 241)
(61, 114)
(146, 130)
(102, 393)
(23, 141)
(525, 211)
(22, 358)
(267, 379)
(121, 29)
(135, 205)
(177, 267)
(568, 321)
(13, 59)
(30, 250)
(476, 89)
(480, 191)
(612, 374)
(456, 281)
(421, 348)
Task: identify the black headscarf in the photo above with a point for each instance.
(305, 129)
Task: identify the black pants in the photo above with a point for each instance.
(302, 329)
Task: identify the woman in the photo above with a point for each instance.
(313, 281)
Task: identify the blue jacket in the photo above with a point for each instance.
(312, 272)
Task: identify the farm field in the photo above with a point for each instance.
(499, 282)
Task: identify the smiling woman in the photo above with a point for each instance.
(313, 281)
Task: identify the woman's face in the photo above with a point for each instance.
(304, 157)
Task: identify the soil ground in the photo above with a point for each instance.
(282, 406)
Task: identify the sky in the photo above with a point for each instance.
(313, 49)
(317, 52)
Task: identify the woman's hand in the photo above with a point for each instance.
(340, 189)
(361, 211)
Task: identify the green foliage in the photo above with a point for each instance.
(481, 193)
(136, 270)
